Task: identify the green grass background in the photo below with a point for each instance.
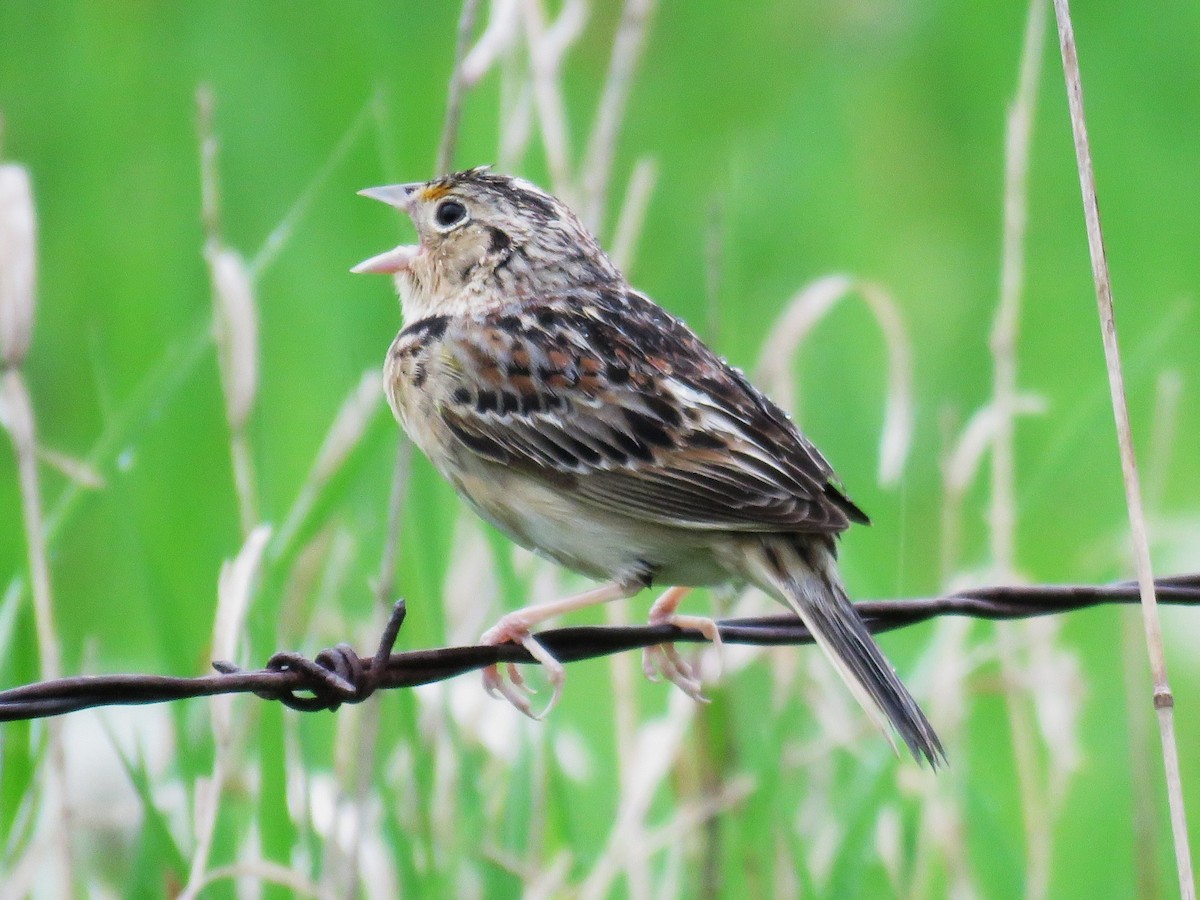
(857, 137)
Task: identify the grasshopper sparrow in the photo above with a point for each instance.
(597, 430)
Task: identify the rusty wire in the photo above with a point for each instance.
(339, 675)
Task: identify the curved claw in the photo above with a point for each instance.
(518, 680)
(652, 663)
(555, 674)
(496, 686)
(515, 689)
(665, 661)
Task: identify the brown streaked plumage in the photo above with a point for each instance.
(596, 429)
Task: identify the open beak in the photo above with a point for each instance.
(397, 195)
(398, 258)
(387, 263)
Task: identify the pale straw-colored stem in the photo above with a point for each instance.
(266, 872)
(385, 580)
(602, 145)
(18, 415)
(656, 749)
(1002, 513)
(344, 435)
(497, 40)
(235, 320)
(235, 590)
(1163, 699)
(1146, 837)
(633, 212)
(810, 305)
(593, 190)
(243, 479)
(458, 88)
(235, 337)
(622, 676)
(547, 46)
(18, 278)
(988, 434)
(367, 721)
(1003, 507)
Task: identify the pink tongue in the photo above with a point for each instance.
(387, 263)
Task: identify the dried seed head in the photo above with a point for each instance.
(16, 412)
(235, 323)
(18, 229)
(235, 588)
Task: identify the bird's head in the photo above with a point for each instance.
(485, 239)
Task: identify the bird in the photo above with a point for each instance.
(596, 429)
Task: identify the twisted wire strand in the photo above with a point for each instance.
(339, 675)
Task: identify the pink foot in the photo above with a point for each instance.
(514, 629)
(664, 660)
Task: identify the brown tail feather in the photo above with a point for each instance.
(804, 577)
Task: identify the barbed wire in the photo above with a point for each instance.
(339, 675)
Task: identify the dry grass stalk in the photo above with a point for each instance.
(548, 45)
(960, 466)
(1164, 700)
(458, 88)
(235, 336)
(235, 319)
(1146, 837)
(18, 267)
(633, 212)
(802, 313)
(80, 471)
(17, 288)
(235, 587)
(235, 326)
(623, 676)
(602, 145)
(656, 748)
(625, 855)
(498, 38)
(344, 435)
(991, 430)
(18, 270)
(352, 418)
(690, 816)
(266, 872)
(16, 414)
(516, 110)
(623, 668)
(1016, 641)
(1005, 329)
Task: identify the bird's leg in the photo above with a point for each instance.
(663, 660)
(516, 626)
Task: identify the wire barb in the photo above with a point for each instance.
(339, 675)
(334, 676)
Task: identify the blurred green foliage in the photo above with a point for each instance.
(808, 138)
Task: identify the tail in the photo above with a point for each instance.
(804, 576)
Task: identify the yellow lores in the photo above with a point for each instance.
(435, 190)
(594, 428)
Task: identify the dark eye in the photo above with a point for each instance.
(449, 212)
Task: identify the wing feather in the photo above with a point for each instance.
(618, 402)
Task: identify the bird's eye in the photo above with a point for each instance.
(449, 212)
